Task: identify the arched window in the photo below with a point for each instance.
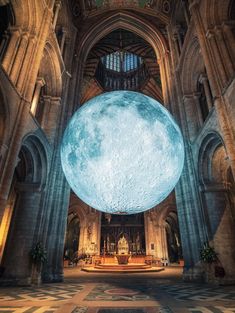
(121, 61)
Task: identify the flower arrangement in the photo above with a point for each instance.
(38, 254)
(208, 254)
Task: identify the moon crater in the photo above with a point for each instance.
(122, 152)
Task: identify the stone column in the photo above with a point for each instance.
(3, 151)
(62, 44)
(215, 83)
(148, 225)
(82, 236)
(227, 28)
(204, 81)
(176, 44)
(22, 78)
(39, 84)
(225, 56)
(5, 223)
(186, 12)
(20, 124)
(165, 79)
(3, 45)
(55, 17)
(99, 235)
(14, 34)
(192, 110)
(50, 115)
(19, 57)
(196, 97)
(179, 40)
(21, 237)
(222, 76)
(191, 217)
(164, 242)
(56, 211)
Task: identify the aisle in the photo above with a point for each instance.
(128, 293)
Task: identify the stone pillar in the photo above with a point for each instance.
(50, 115)
(176, 45)
(229, 38)
(215, 82)
(148, 227)
(179, 40)
(5, 223)
(22, 114)
(220, 69)
(57, 9)
(196, 97)
(225, 56)
(192, 110)
(3, 45)
(217, 205)
(56, 211)
(22, 78)
(14, 34)
(21, 237)
(62, 44)
(3, 151)
(164, 242)
(19, 57)
(165, 79)
(186, 12)
(191, 217)
(82, 237)
(204, 81)
(39, 84)
(99, 235)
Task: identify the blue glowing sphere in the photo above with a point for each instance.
(122, 152)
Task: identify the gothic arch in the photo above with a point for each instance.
(212, 146)
(79, 210)
(35, 151)
(129, 22)
(23, 214)
(51, 69)
(192, 67)
(215, 183)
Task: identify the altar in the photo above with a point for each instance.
(123, 258)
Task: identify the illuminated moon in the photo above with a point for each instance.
(122, 152)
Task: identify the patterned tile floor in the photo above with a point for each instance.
(81, 292)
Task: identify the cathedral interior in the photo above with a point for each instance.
(55, 55)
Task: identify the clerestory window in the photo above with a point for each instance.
(121, 61)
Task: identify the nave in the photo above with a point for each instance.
(161, 292)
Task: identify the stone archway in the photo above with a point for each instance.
(72, 236)
(216, 182)
(130, 22)
(23, 209)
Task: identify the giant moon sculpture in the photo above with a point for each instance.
(122, 152)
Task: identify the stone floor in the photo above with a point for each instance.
(161, 292)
